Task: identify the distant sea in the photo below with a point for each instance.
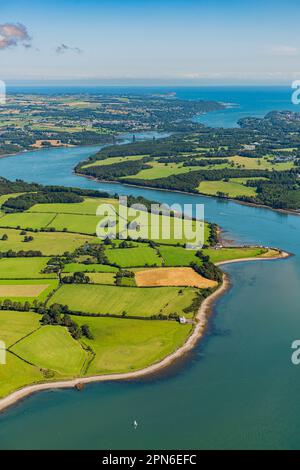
(242, 100)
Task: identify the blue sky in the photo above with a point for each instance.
(187, 41)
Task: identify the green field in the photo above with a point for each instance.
(135, 301)
(81, 267)
(260, 163)
(111, 160)
(16, 325)
(161, 170)
(23, 268)
(52, 347)
(141, 256)
(230, 188)
(102, 278)
(78, 223)
(87, 207)
(16, 374)
(43, 241)
(125, 345)
(177, 256)
(26, 220)
(226, 254)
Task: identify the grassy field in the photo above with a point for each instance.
(260, 163)
(81, 267)
(87, 207)
(43, 241)
(16, 374)
(226, 254)
(16, 289)
(78, 223)
(124, 345)
(26, 220)
(162, 170)
(16, 325)
(111, 160)
(141, 256)
(177, 256)
(170, 230)
(231, 188)
(23, 268)
(102, 278)
(135, 301)
(52, 347)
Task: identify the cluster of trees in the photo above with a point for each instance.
(76, 278)
(197, 301)
(59, 315)
(213, 234)
(20, 254)
(206, 268)
(121, 274)
(115, 170)
(18, 186)
(8, 304)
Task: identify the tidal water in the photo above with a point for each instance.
(236, 389)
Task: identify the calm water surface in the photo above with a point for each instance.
(237, 389)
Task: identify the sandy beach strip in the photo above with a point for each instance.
(197, 333)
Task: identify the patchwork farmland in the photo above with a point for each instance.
(73, 305)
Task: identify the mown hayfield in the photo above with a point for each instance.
(86, 224)
(16, 374)
(89, 268)
(26, 220)
(22, 290)
(178, 256)
(140, 256)
(135, 301)
(170, 230)
(19, 290)
(16, 325)
(123, 345)
(231, 188)
(52, 347)
(87, 207)
(102, 278)
(172, 277)
(45, 242)
(23, 268)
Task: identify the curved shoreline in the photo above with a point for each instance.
(153, 188)
(201, 318)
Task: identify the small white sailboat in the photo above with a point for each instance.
(135, 424)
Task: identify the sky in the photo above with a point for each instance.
(142, 41)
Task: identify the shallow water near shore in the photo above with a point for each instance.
(236, 389)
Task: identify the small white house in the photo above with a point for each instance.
(182, 320)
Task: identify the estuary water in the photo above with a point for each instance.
(236, 389)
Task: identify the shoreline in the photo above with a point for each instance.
(197, 333)
(237, 201)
